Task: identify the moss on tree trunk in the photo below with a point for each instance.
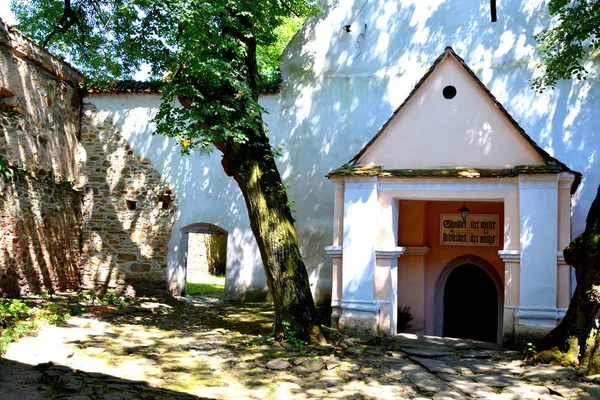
(578, 333)
(253, 168)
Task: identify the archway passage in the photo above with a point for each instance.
(206, 259)
(470, 304)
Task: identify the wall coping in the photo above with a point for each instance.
(389, 252)
(22, 46)
(334, 250)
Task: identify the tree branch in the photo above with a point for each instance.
(289, 8)
(68, 19)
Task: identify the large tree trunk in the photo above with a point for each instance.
(252, 165)
(273, 227)
(578, 333)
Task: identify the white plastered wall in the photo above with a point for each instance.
(206, 194)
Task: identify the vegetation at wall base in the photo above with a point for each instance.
(19, 318)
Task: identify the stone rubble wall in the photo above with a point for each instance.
(65, 220)
(122, 247)
(197, 257)
(40, 230)
(40, 212)
(40, 105)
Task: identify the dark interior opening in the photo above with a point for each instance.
(470, 304)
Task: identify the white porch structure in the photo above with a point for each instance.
(436, 151)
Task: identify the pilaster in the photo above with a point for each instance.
(359, 308)
(538, 204)
(335, 252)
(386, 288)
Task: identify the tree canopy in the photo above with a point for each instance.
(570, 41)
(187, 43)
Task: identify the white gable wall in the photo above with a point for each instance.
(466, 131)
(342, 87)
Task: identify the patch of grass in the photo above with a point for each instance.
(110, 298)
(212, 284)
(18, 319)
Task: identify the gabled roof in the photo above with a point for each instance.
(551, 165)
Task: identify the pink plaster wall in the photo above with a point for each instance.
(419, 225)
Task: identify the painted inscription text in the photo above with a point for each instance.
(476, 230)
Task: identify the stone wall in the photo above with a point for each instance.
(39, 108)
(206, 255)
(40, 230)
(84, 210)
(40, 212)
(129, 210)
(197, 257)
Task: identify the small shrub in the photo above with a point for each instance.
(289, 335)
(17, 319)
(404, 317)
(12, 311)
(92, 297)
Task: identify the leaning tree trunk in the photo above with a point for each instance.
(578, 334)
(253, 167)
(251, 163)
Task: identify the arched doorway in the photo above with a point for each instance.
(205, 248)
(469, 300)
(470, 304)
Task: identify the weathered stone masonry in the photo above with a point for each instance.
(40, 212)
(85, 210)
(40, 229)
(128, 209)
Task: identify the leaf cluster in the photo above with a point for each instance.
(565, 45)
(12, 311)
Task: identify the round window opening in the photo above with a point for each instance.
(449, 92)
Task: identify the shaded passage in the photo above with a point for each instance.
(470, 304)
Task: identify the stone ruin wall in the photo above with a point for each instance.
(40, 212)
(123, 246)
(64, 220)
(40, 229)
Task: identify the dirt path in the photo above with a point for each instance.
(204, 349)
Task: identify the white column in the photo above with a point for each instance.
(512, 262)
(538, 203)
(386, 263)
(359, 308)
(386, 288)
(335, 252)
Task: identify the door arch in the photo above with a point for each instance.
(205, 252)
(469, 300)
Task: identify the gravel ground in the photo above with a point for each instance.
(167, 348)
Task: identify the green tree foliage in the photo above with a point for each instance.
(207, 54)
(566, 45)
